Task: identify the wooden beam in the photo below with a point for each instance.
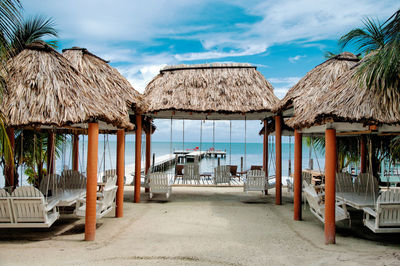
(119, 201)
(297, 182)
(75, 152)
(9, 167)
(265, 152)
(138, 149)
(330, 193)
(91, 182)
(50, 152)
(148, 153)
(278, 160)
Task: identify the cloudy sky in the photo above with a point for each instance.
(284, 39)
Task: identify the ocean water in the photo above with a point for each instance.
(251, 152)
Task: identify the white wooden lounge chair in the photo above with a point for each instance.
(6, 215)
(105, 200)
(317, 205)
(191, 172)
(50, 185)
(255, 181)
(72, 186)
(306, 176)
(108, 174)
(386, 216)
(31, 209)
(364, 193)
(160, 183)
(222, 175)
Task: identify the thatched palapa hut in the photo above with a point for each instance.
(111, 83)
(210, 91)
(44, 89)
(348, 100)
(315, 84)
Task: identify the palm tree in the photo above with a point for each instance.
(9, 21)
(381, 68)
(369, 38)
(33, 29)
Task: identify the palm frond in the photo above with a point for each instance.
(33, 29)
(369, 38)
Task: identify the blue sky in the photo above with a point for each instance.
(284, 39)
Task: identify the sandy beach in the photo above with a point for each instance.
(199, 226)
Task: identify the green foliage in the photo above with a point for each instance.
(31, 151)
(329, 54)
(33, 29)
(379, 70)
(369, 38)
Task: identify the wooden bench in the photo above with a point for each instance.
(385, 217)
(317, 205)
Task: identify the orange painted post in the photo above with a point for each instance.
(148, 153)
(297, 175)
(75, 153)
(9, 165)
(119, 202)
(278, 158)
(138, 149)
(265, 152)
(330, 193)
(363, 155)
(50, 152)
(91, 181)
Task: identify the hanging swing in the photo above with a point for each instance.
(110, 173)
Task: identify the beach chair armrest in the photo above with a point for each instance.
(50, 205)
(370, 211)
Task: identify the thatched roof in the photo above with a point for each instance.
(105, 77)
(316, 82)
(349, 100)
(210, 88)
(43, 88)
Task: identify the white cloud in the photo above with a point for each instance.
(288, 80)
(281, 92)
(296, 58)
(250, 50)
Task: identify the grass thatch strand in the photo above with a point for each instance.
(43, 88)
(105, 77)
(224, 88)
(350, 100)
(315, 83)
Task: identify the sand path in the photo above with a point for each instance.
(199, 226)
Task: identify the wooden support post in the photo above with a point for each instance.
(50, 152)
(148, 153)
(265, 152)
(138, 149)
(363, 151)
(91, 181)
(330, 194)
(10, 169)
(297, 182)
(278, 156)
(119, 201)
(75, 153)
